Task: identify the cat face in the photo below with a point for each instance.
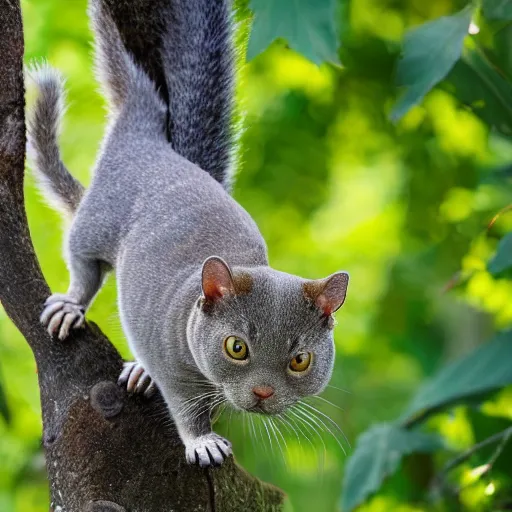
(265, 337)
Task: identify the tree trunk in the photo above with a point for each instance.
(105, 451)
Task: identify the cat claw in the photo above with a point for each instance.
(62, 313)
(136, 379)
(208, 450)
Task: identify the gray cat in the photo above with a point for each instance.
(206, 317)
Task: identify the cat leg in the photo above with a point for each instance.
(191, 414)
(136, 379)
(63, 312)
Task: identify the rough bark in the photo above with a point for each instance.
(105, 451)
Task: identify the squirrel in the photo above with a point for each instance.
(206, 317)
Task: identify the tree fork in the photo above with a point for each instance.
(105, 450)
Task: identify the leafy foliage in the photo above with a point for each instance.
(377, 455)
(478, 84)
(307, 25)
(484, 370)
(430, 52)
(380, 449)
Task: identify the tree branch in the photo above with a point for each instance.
(105, 451)
(502, 437)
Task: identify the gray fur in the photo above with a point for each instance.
(123, 82)
(157, 219)
(112, 63)
(198, 62)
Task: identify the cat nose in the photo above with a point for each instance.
(263, 392)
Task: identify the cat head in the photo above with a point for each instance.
(265, 337)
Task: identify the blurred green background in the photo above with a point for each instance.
(333, 184)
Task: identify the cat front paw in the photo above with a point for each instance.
(208, 450)
(62, 313)
(136, 379)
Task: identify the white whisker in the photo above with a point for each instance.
(328, 402)
(329, 419)
(274, 431)
(268, 434)
(288, 425)
(305, 419)
(318, 421)
(339, 389)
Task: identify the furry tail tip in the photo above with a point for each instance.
(61, 189)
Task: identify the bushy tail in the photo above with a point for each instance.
(43, 122)
(198, 61)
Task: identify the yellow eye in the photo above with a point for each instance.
(301, 362)
(236, 348)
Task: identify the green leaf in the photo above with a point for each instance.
(497, 9)
(307, 25)
(484, 370)
(478, 84)
(378, 454)
(430, 52)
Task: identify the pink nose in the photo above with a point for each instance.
(263, 392)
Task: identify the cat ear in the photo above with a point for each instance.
(217, 280)
(328, 294)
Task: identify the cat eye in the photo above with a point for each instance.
(301, 362)
(236, 348)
